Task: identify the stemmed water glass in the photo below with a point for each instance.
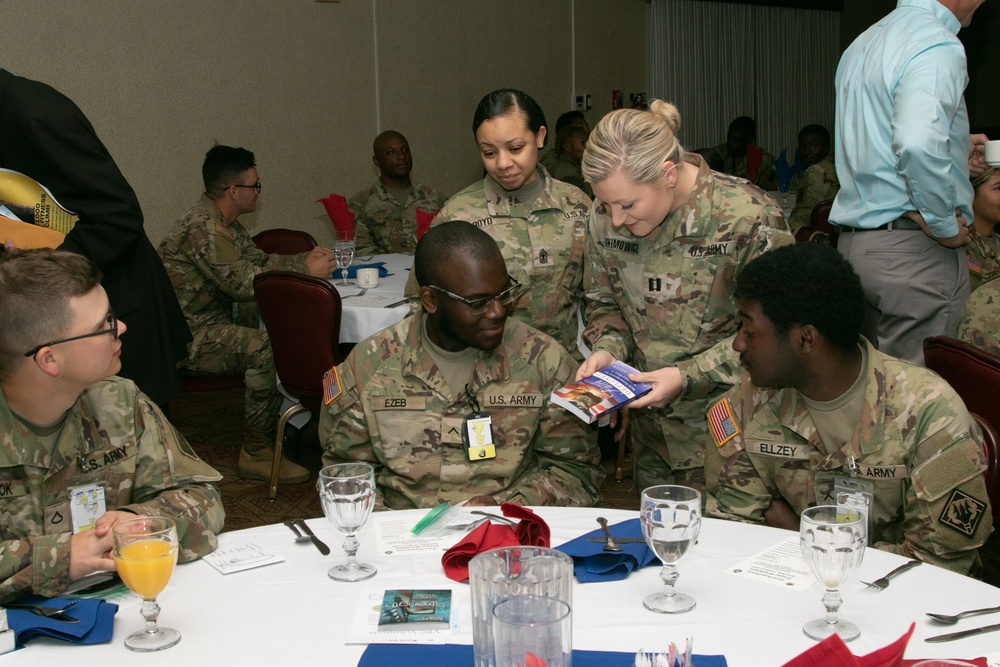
(145, 551)
(347, 491)
(833, 540)
(671, 519)
(343, 254)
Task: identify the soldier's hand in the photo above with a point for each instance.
(481, 501)
(780, 514)
(594, 363)
(977, 154)
(667, 384)
(320, 262)
(89, 553)
(105, 522)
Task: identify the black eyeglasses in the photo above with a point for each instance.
(112, 329)
(255, 186)
(480, 306)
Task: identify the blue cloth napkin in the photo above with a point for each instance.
(592, 563)
(352, 271)
(456, 655)
(96, 624)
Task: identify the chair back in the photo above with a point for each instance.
(281, 241)
(991, 448)
(975, 375)
(302, 316)
(820, 220)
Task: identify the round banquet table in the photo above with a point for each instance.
(364, 315)
(292, 613)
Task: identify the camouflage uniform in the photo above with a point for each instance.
(549, 160)
(542, 244)
(980, 321)
(915, 442)
(818, 183)
(662, 299)
(567, 170)
(382, 225)
(212, 267)
(983, 257)
(115, 436)
(767, 177)
(397, 413)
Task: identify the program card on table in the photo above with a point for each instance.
(241, 557)
(366, 628)
(780, 564)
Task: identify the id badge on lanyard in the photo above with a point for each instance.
(858, 494)
(477, 432)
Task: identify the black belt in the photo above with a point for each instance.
(901, 223)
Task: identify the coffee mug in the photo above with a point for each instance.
(367, 278)
(991, 151)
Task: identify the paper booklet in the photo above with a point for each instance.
(29, 214)
(605, 391)
(415, 610)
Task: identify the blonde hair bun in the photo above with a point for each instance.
(668, 112)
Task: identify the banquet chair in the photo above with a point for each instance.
(283, 241)
(991, 449)
(302, 317)
(975, 375)
(819, 223)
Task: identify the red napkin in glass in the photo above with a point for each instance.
(530, 531)
(424, 222)
(754, 156)
(336, 208)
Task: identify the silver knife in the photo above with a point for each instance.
(619, 540)
(964, 633)
(323, 549)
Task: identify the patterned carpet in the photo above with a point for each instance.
(213, 423)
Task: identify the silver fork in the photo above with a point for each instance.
(883, 582)
(361, 293)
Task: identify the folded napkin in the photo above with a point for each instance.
(592, 563)
(340, 215)
(352, 271)
(530, 531)
(424, 222)
(457, 655)
(95, 627)
(833, 652)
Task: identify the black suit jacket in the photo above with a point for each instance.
(44, 135)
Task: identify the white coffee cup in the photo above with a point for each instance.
(368, 278)
(991, 151)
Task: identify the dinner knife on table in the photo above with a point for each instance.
(618, 540)
(323, 549)
(964, 633)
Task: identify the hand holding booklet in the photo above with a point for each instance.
(605, 391)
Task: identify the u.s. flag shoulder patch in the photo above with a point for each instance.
(331, 386)
(721, 422)
(963, 513)
(974, 265)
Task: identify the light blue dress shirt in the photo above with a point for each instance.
(902, 129)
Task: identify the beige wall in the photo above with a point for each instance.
(296, 81)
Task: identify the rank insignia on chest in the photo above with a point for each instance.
(331, 386)
(543, 257)
(962, 513)
(721, 422)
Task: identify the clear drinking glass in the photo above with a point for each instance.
(145, 552)
(833, 540)
(347, 492)
(343, 254)
(532, 626)
(671, 519)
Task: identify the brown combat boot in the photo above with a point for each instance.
(258, 466)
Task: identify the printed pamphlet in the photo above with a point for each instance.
(415, 610)
(605, 391)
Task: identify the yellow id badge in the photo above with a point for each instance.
(86, 505)
(477, 436)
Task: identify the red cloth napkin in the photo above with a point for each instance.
(754, 156)
(424, 222)
(832, 652)
(336, 208)
(530, 531)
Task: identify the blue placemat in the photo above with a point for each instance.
(592, 563)
(456, 655)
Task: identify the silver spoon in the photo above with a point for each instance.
(951, 620)
(610, 546)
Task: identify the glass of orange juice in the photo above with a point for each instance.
(145, 551)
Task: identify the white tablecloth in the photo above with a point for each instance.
(291, 613)
(364, 315)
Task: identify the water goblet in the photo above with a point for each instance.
(145, 552)
(347, 491)
(832, 540)
(343, 254)
(671, 519)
